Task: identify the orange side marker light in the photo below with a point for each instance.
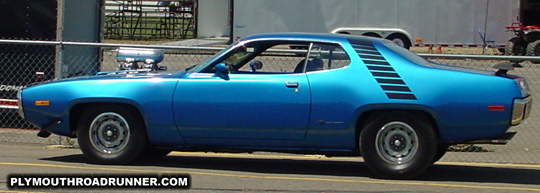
(43, 103)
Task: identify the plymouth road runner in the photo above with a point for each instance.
(290, 92)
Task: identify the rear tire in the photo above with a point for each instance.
(441, 150)
(398, 145)
(154, 153)
(515, 47)
(111, 134)
(533, 49)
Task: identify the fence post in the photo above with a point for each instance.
(59, 48)
(60, 38)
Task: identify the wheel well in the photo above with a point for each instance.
(371, 34)
(77, 110)
(366, 115)
(515, 39)
(532, 36)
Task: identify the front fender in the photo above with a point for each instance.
(151, 97)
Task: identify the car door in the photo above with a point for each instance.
(245, 105)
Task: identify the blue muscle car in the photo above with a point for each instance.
(294, 92)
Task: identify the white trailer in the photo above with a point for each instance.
(461, 23)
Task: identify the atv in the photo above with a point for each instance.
(526, 42)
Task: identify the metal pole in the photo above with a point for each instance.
(59, 48)
(59, 37)
(484, 45)
(231, 21)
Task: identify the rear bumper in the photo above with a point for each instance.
(521, 110)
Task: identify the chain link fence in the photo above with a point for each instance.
(23, 63)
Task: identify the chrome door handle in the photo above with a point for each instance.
(291, 84)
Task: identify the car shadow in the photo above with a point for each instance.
(329, 167)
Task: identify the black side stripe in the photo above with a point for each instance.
(385, 74)
(396, 88)
(401, 96)
(372, 62)
(373, 57)
(389, 80)
(381, 68)
(365, 51)
(365, 47)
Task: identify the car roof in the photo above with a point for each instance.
(308, 37)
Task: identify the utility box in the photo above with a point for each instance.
(79, 21)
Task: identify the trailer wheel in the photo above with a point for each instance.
(371, 34)
(533, 49)
(400, 40)
(344, 33)
(515, 47)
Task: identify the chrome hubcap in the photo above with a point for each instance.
(109, 133)
(396, 142)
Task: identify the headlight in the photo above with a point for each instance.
(19, 103)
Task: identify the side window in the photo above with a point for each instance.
(286, 58)
(327, 57)
(240, 54)
(278, 59)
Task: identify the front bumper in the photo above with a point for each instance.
(19, 103)
(521, 110)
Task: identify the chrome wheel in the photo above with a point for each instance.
(109, 133)
(396, 142)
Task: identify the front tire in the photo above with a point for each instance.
(515, 47)
(111, 134)
(398, 145)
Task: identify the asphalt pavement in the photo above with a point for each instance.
(267, 172)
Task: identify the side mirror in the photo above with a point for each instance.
(255, 65)
(222, 71)
(162, 68)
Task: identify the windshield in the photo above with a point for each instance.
(201, 66)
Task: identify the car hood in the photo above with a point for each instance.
(114, 75)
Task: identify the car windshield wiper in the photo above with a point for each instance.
(191, 67)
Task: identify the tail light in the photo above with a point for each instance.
(522, 84)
